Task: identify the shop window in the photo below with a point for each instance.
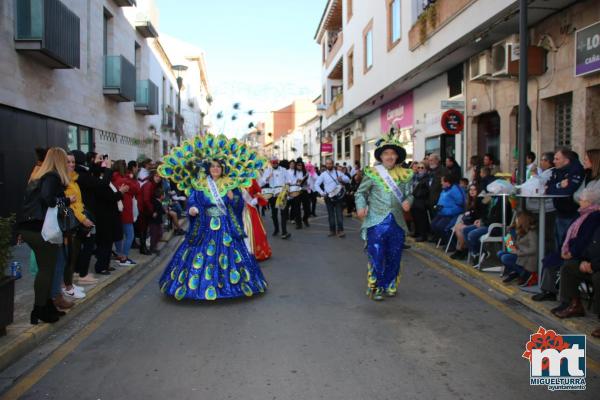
(72, 137)
(347, 144)
(338, 147)
(563, 120)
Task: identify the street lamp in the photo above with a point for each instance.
(178, 70)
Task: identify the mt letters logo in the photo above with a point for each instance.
(556, 361)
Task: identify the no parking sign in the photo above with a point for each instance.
(453, 122)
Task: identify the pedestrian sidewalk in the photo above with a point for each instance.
(584, 325)
(22, 337)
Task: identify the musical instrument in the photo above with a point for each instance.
(270, 192)
(295, 190)
(337, 194)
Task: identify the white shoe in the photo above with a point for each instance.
(73, 293)
(80, 288)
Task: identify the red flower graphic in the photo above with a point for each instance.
(544, 339)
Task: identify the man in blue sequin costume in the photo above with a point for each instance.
(383, 195)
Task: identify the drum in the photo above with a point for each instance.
(295, 191)
(337, 194)
(268, 193)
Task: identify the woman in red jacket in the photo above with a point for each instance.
(257, 236)
(122, 176)
(146, 209)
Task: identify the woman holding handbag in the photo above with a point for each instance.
(45, 190)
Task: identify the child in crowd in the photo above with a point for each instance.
(156, 221)
(519, 259)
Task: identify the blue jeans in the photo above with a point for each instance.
(440, 224)
(59, 271)
(123, 246)
(509, 260)
(472, 235)
(336, 215)
(561, 224)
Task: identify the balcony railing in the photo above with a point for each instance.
(334, 49)
(335, 106)
(433, 17)
(146, 98)
(49, 31)
(168, 118)
(119, 79)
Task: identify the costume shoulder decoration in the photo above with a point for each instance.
(186, 165)
(399, 175)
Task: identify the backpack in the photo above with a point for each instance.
(32, 209)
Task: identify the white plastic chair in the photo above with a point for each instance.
(488, 238)
(458, 221)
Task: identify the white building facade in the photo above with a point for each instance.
(391, 64)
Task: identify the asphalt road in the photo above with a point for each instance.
(313, 335)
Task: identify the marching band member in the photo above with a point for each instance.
(383, 194)
(277, 178)
(298, 178)
(333, 182)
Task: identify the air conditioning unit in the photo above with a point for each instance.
(480, 66)
(501, 59)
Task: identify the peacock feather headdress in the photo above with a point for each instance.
(186, 165)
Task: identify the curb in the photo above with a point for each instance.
(572, 324)
(25, 342)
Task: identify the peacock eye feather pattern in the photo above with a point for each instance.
(186, 164)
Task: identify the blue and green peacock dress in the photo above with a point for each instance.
(213, 261)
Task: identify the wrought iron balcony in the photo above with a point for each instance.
(119, 79)
(48, 31)
(146, 99)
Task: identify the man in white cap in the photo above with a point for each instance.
(277, 177)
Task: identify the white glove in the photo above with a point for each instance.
(254, 202)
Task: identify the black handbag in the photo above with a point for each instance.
(67, 221)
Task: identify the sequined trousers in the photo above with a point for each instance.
(385, 242)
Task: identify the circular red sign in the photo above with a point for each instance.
(453, 122)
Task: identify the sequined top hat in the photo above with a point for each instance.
(390, 142)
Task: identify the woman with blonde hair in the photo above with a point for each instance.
(46, 188)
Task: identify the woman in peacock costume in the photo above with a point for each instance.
(213, 262)
(384, 193)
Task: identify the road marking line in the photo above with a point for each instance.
(27, 382)
(506, 310)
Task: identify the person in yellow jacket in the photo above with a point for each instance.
(73, 239)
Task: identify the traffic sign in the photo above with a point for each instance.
(453, 122)
(449, 104)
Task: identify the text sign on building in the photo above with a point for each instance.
(452, 122)
(397, 113)
(327, 148)
(587, 50)
(448, 104)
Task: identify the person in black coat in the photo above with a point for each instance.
(420, 192)
(92, 179)
(453, 168)
(109, 228)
